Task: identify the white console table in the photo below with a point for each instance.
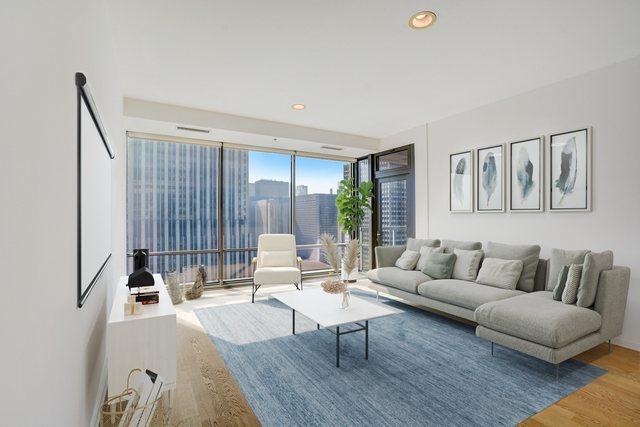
(145, 340)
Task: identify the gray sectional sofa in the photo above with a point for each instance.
(525, 319)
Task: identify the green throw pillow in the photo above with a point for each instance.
(440, 266)
(561, 282)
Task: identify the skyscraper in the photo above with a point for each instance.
(302, 190)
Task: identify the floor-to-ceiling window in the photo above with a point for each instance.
(171, 204)
(256, 188)
(197, 203)
(364, 231)
(317, 182)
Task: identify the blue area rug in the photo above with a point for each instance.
(423, 369)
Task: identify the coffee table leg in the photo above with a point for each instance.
(366, 340)
(293, 323)
(337, 346)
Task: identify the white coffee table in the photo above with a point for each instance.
(323, 309)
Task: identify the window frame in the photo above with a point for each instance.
(220, 250)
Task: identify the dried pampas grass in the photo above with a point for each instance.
(331, 250)
(351, 255)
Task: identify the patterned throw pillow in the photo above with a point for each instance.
(570, 293)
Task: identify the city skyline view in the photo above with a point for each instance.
(172, 204)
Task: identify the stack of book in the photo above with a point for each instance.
(145, 294)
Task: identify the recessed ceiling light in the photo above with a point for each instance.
(422, 19)
(298, 106)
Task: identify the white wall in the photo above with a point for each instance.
(418, 137)
(608, 100)
(53, 353)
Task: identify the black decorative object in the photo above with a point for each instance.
(140, 258)
(141, 277)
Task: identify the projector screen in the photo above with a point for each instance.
(94, 182)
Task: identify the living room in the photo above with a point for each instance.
(321, 213)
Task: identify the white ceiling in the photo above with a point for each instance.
(356, 64)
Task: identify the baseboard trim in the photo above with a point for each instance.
(102, 391)
(627, 344)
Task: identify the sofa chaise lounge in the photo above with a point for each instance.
(527, 320)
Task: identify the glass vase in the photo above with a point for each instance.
(345, 301)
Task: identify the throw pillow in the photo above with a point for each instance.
(528, 254)
(467, 264)
(416, 244)
(425, 251)
(561, 281)
(276, 259)
(500, 273)
(560, 258)
(450, 245)
(439, 266)
(573, 282)
(594, 264)
(408, 260)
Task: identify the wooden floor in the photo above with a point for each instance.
(207, 394)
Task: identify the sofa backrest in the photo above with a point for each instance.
(416, 244)
(540, 279)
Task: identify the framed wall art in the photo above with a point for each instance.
(526, 164)
(461, 182)
(570, 171)
(490, 179)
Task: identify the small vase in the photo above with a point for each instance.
(346, 300)
(344, 274)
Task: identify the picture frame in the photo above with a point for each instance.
(526, 175)
(461, 178)
(569, 170)
(490, 177)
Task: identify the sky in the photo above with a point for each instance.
(318, 174)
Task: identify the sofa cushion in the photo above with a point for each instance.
(450, 245)
(528, 254)
(425, 251)
(559, 258)
(416, 244)
(536, 317)
(501, 273)
(594, 264)
(406, 280)
(562, 281)
(408, 260)
(467, 264)
(439, 266)
(462, 293)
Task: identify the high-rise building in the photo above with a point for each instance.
(269, 188)
(302, 190)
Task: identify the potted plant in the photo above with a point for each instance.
(351, 202)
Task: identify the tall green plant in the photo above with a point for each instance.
(352, 202)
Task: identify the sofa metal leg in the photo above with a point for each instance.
(492, 348)
(377, 295)
(253, 292)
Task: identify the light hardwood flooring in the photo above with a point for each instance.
(207, 394)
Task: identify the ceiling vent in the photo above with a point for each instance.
(327, 147)
(193, 129)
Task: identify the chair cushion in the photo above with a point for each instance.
(276, 275)
(528, 254)
(462, 293)
(536, 317)
(406, 280)
(276, 258)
